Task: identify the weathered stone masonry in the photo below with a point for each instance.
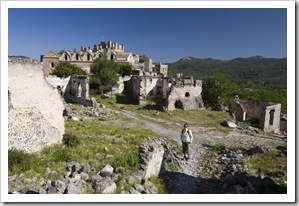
(267, 114)
(185, 94)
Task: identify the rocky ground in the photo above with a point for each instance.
(224, 172)
(234, 177)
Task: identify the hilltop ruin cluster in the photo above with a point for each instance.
(37, 97)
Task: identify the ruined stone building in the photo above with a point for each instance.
(148, 86)
(185, 94)
(266, 114)
(149, 80)
(74, 89)
(85, 57)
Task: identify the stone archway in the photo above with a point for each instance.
(178, 104)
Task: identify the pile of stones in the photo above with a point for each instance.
(81, 178)
(85, 112)
(235, 177)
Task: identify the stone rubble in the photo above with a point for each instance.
(81, 176)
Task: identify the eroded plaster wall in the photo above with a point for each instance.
(35, 115)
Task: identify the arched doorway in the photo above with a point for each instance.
(178, 104)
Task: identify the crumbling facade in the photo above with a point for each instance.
(78, 89)
(74, 88)
(266, 114)
(185, 94)
(84, 58)
(145, 87)
(162, 69)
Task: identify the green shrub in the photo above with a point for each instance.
(70, 140)
(159, 183)
(20, 161)
(128, 160)
(218, 147)
(63, 155)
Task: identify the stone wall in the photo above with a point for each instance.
(162, 69)
(121, 83)
(148, 65)
(185, 95)
(143, 87)
(270, 117)
(35, 116)
(84, 57)
(58, 83)
(252, 109)
(50, 61)
(267, 114)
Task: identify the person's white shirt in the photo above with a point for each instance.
(186, 135)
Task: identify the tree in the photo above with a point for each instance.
(125, 69)
(142, 59)
(105, 73)
(218, 92)
(64, 69)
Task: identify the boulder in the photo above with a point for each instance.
(106, 171)
(103, 185)
(151, 156)
(229, 124)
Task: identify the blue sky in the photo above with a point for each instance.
(164, 35)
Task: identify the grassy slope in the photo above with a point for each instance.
(99, 140)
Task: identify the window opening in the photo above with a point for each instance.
(271, 120)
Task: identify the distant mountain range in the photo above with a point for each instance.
(252, 70)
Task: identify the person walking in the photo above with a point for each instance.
(186, 138)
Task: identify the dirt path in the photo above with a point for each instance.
(186, 180)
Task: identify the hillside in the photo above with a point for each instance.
(253, 70)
